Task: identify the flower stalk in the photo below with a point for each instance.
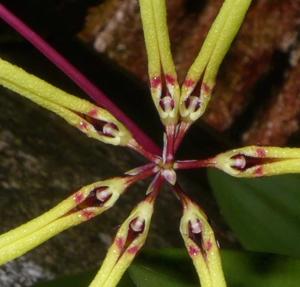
(194, 164)
(251, 161)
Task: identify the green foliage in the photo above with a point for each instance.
(263, 213)
(172, 268)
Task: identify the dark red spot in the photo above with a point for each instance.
(120, 243)
(155, 82)
(208, 245)
(83, 125)
(78, 197)
(259, 171)
(87, 214)
(194, 250)
(133, 250)
(206, 88)
(170, 79)
(99, 125)
(93, 113)
(261, 152)
(189, 83)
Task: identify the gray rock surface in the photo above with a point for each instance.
(42, 161)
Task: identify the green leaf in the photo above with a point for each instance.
(242, 269)
(260, 270)
(149, 276)
(264, 213)
(81, 280)
(173, 268)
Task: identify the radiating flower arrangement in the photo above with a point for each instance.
(179, 106)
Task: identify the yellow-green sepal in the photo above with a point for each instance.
(257, 161)
(202, 246)
(66, 214)
(209, 59)
(74, 110)
(122, 252)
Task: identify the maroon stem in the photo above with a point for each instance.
(185, 200)
(76, 76)
(133, 144)
(181, 132)
(193, 164)
(145, 172)
(181, 195)
(170, 132)
(155, 187)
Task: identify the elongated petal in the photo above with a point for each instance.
(148, 21)
(230, 30)
(92, 120)
(161, 27)
(83, 205)
(256, 161)
(27, 243)
(202, 247)
(129, 239)
(207, 63)
(163, 78)
(197, 68)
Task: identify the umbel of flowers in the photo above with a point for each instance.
(179, 105)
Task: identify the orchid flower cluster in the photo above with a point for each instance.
(179, 106)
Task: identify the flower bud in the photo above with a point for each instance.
(201, 78)
(257, 161)
(164, 85)
(128, 241)
(202, 247)
(83, 205)
(90, 119)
